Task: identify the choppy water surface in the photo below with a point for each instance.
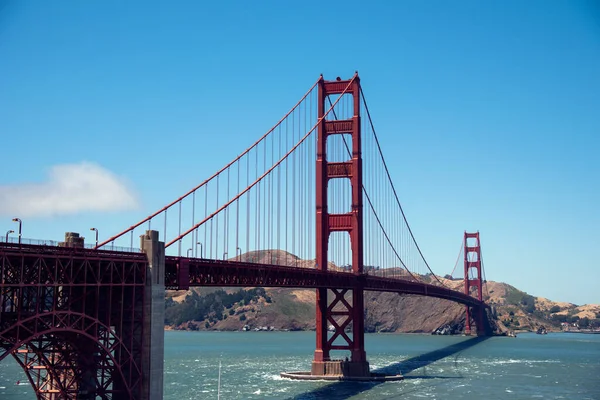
(553, 366)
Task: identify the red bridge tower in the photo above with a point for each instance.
(352, 223)
(473, 266)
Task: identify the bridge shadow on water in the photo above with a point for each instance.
(344, 390)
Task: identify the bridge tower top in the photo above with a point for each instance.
(351, 169)
(472, 254)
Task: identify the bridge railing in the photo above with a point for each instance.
(54, 243)
(115, 248)
(35, 242)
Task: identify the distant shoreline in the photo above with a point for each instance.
(167, 328)
(170, 329)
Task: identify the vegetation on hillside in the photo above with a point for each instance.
(294, 309)
(584, 322)
(521, 310)
(210, 307)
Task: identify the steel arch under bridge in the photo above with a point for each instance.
(73, 319)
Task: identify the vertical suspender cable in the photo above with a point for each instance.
(217, 224)
(294, 186)
(203, 251)
(237, 217)
(165, 230)
(193, 220)
(179, 244)
(286, 187)
(279, 195)
(248, 198)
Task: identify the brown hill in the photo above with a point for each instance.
(294, 309)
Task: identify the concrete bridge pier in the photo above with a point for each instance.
(153, 350)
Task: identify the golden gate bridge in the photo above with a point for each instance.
(313, 194)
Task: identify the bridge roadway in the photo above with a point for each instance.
(182, 273)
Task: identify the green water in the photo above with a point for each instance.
(553, 366)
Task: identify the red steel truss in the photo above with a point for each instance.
(181, 273)
(73, 319)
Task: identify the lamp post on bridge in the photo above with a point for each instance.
(96, 230)
(188, 252)
(20, 226)
(8, 233)
(199, 243)
(224, 256)
(240, 257)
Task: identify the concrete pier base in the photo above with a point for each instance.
(340, 367)
(154, 318)
(340, 370)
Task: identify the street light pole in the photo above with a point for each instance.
(188, 252)
(199, 243)
(240, 259)
(20, 226)
(94, 229)
(8, 233)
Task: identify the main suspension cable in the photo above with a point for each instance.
(394, 189)
(371, 204)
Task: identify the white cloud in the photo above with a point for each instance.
(70, 189)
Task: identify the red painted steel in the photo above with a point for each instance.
(58, 303)
(73, 319)
(183, 273)
(339, 169)
(350, 222)
(471, 264)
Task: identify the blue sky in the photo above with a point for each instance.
(488, 113)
